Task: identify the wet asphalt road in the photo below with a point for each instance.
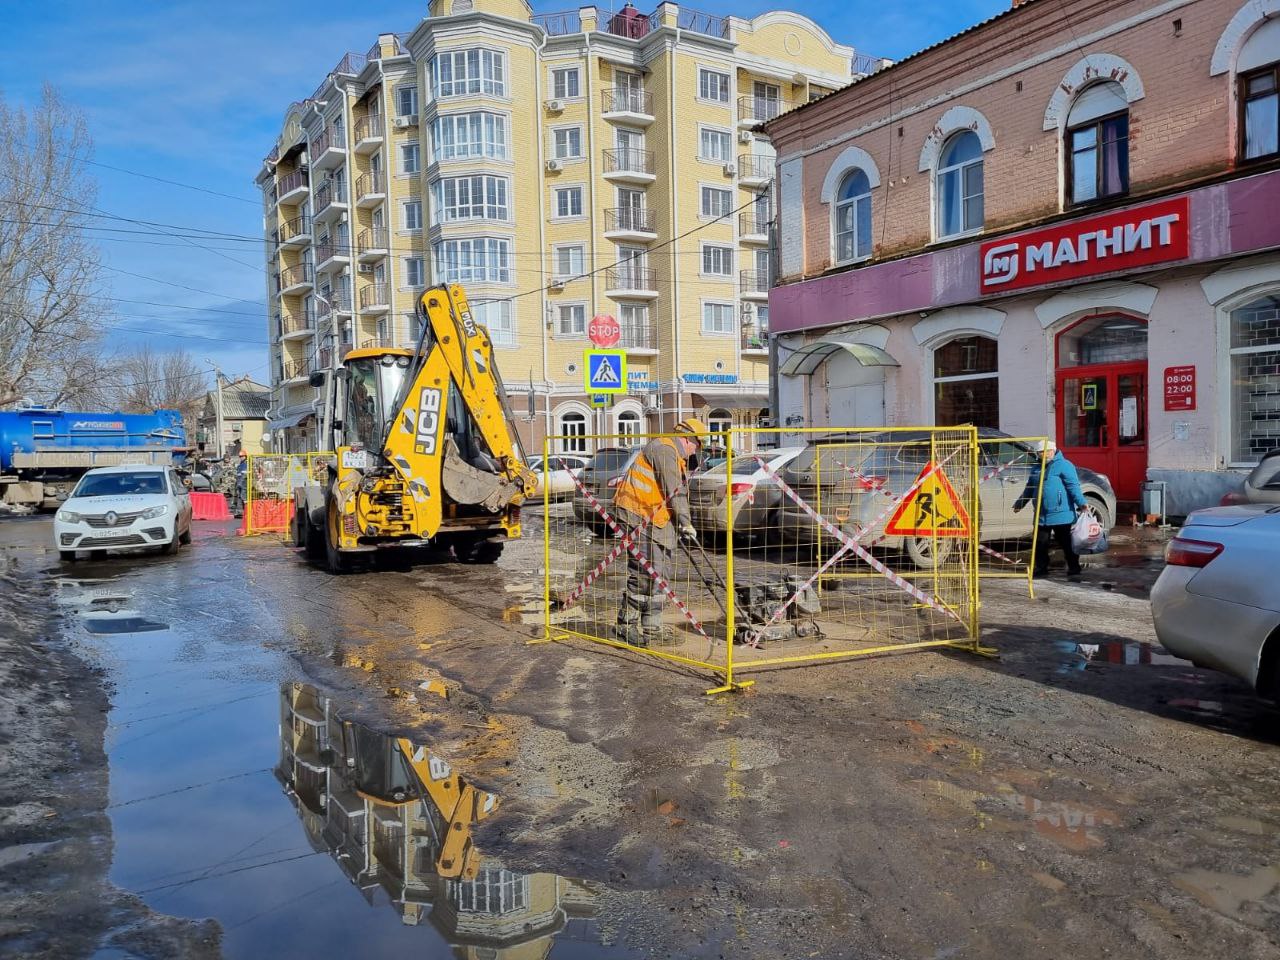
(1084, 794)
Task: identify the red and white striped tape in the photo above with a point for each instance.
(641, 558)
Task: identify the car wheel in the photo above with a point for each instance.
(67, 556)
(169, 547)
(1099, 508)
(924, 556)
(477, 552)
(184, 538)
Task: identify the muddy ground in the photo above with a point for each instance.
(1082, 795)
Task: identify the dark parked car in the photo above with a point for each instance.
(601, 476)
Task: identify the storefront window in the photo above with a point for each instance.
(1255, 379)
(573, 433)
(966, 383)
(1103, 340)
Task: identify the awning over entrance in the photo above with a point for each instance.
(734, 401)
(283, 423)
(808, 358)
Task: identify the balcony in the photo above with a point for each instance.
(639, 338)
(753, 110)
(559, 24)
(296, 279)
(754, 228)
(381, 341)
(756, 171)
(628, 282)
(371, 188)
(334, 302)
(753, 285)
(328, 149)
(629, 223)
(295, 370)
(331, 200)
(369, 133)
(295, 232)
(331, 255)
(372, 244)
(296, 326)
(629, 165)
(755, 339)
(375, 298)
(624, 105)
(292, 187)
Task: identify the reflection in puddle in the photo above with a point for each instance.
(1080, 655)
(1069, 825)
(398, 821)
(105, 607)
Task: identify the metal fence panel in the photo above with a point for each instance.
(270, 480)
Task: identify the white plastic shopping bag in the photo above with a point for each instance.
(1087, 535)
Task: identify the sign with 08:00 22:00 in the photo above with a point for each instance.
(1180, 387)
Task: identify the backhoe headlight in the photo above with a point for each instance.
(68, 516)
(153, 512)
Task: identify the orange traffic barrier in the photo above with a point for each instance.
(266, 516)
(209, 506)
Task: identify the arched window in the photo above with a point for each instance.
(1258, 70)
(572, 432)
(959, 185)
(1255, 378)
(628, 428)
(1097, 144)
(721, 422)
(853, 217)
(966, 383)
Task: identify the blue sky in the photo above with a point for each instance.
(195, 92)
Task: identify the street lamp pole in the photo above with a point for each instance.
(217, 380)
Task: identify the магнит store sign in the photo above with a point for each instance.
(1138, 237)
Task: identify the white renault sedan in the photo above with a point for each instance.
(123, 507)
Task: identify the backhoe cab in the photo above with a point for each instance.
(425, 451)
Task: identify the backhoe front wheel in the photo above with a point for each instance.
(335, 560)
(477, 551)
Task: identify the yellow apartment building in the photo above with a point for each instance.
(559, 166)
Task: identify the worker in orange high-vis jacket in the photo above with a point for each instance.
(654, 490)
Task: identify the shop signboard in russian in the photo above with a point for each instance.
(1180, 387)
(1123, 240)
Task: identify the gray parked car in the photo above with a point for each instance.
(890, 462)
(1263, 483)
(1216, 603)
(601, 476)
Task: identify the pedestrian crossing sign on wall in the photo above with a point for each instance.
(606, 371)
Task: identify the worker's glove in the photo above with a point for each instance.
(688, 534)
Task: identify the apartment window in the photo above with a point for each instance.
(461, 72)
(568, 201)
(410, 158)
(474, 260)
(567, 143)
(566, 83)
(571, 319)
(717, 261)
(853, 217)
(412, 210)
(1260, 113)
(634, 320)
(717, 318)
(477, 197)
(569, 261)
(406, 100)
(762, 318)
(463, 136)
(715, 145)
(713, 85)
(1098, 144)
(496, 315)
(414, 272)
(1255, 379)
(966, 383)
(959, 185)
(716, 202)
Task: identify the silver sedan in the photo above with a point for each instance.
(1217, 602)
(755, 496)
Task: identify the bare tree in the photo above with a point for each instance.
(49, 271)
(146, 379)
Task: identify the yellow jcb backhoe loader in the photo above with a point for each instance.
(425, 450)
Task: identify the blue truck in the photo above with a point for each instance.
(44, 452)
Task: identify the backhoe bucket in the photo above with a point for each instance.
(466, 484)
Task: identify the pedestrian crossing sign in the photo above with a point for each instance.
(599, 400)
(606, 371)
(933, 510)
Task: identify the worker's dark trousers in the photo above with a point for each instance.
(643, 600)
(1062, 533)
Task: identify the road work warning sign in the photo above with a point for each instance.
(933, 510)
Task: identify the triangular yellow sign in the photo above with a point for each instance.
(934, 509)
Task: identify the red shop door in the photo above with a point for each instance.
(1102, 422)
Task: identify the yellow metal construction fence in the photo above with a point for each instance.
(270, 480)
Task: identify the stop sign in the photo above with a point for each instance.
(603, 330)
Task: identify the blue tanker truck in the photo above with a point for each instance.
(44, 452)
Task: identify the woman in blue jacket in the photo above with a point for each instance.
(1061, 501)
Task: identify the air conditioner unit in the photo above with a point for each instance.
(365, 268)
(555, 106)
(745, 136)
(730, 169)
(553, 165)
(556, 285)
(405, 122)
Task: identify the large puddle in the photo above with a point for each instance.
(254, 802)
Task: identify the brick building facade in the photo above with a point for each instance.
(1062, 220)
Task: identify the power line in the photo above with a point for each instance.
(215, 234)
(172, 183)
(180, 286)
